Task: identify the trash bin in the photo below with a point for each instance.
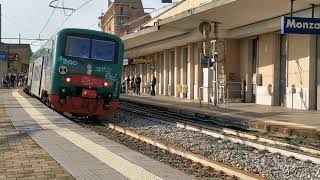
(148, 88)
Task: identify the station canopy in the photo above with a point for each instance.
(229, 14)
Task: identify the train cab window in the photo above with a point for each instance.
(103, 50)
(77, 47)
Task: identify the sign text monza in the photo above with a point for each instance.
(298, 25)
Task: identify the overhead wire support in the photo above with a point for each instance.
(78, 8)
(58, 7)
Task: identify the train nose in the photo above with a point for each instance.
(92, 94)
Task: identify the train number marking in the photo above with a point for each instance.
(67, 62)
(103, 69)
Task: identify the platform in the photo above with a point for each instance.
(81, 152)
(241, 115)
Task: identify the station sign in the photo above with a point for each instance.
(3, 56)
(143, 61)
(126, 62)
(13, 57)
(299, 25)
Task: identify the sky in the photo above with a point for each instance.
(28, 17)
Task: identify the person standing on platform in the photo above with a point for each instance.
(133, 84)
(153, 84)
(138, 83)
(128, 84)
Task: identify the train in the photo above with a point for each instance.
(78, 71)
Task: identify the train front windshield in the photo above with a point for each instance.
(90, 49)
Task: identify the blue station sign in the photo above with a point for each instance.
(299, 25)
(3, 56)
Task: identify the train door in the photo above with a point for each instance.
(43, 75)
(30, 74)
(36, 76)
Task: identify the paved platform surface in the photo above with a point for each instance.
(244, 115)
(83, 153)
(22, 158)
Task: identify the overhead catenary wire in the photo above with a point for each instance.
(146, 15)
(49, 19)
(78, 8)
(64, 9)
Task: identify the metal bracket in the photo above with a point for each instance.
(58, 7)
(291, 9)
(313, 6)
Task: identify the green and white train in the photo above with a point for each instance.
(78, 71)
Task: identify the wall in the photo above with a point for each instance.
(246, 66)
(232, 67)
(265, 63)
(232, 61)
(298, 71)
(184, 6)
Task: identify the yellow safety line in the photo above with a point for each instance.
(121, 165)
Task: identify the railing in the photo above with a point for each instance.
(229, 92)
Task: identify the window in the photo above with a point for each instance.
(121, 10)
(103, 50)
(90, 48)
(77, 47)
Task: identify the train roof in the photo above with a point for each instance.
(43, 50)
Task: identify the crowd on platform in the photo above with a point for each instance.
(133, 83)
(13, 80)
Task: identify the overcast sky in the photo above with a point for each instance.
(28, 17)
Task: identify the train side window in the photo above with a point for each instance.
(45, 61)
(50, 54)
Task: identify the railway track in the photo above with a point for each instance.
(296, 155)
(154, 141)
(148, 148)
(210, 128)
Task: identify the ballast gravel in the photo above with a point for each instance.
(269, 165)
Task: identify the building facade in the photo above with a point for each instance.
(14, 59)
(257, 64)
(123, 17)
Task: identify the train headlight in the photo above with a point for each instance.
(63, 90)
(106, 84)
(68, 79)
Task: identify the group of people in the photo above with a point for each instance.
(13, 80)
(134, 83)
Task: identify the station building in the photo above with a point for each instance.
(269, 68)
(14, 58)
(119, 13)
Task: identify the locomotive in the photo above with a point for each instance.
(78, 71)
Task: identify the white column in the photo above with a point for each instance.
(181, 70)
(207, 82)
(197, 71)
(160, 74)
(177, 59)
(170, 88)
(141, 76)
(156, 56)
(148, 73)
(190, 94)
(165, 72)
